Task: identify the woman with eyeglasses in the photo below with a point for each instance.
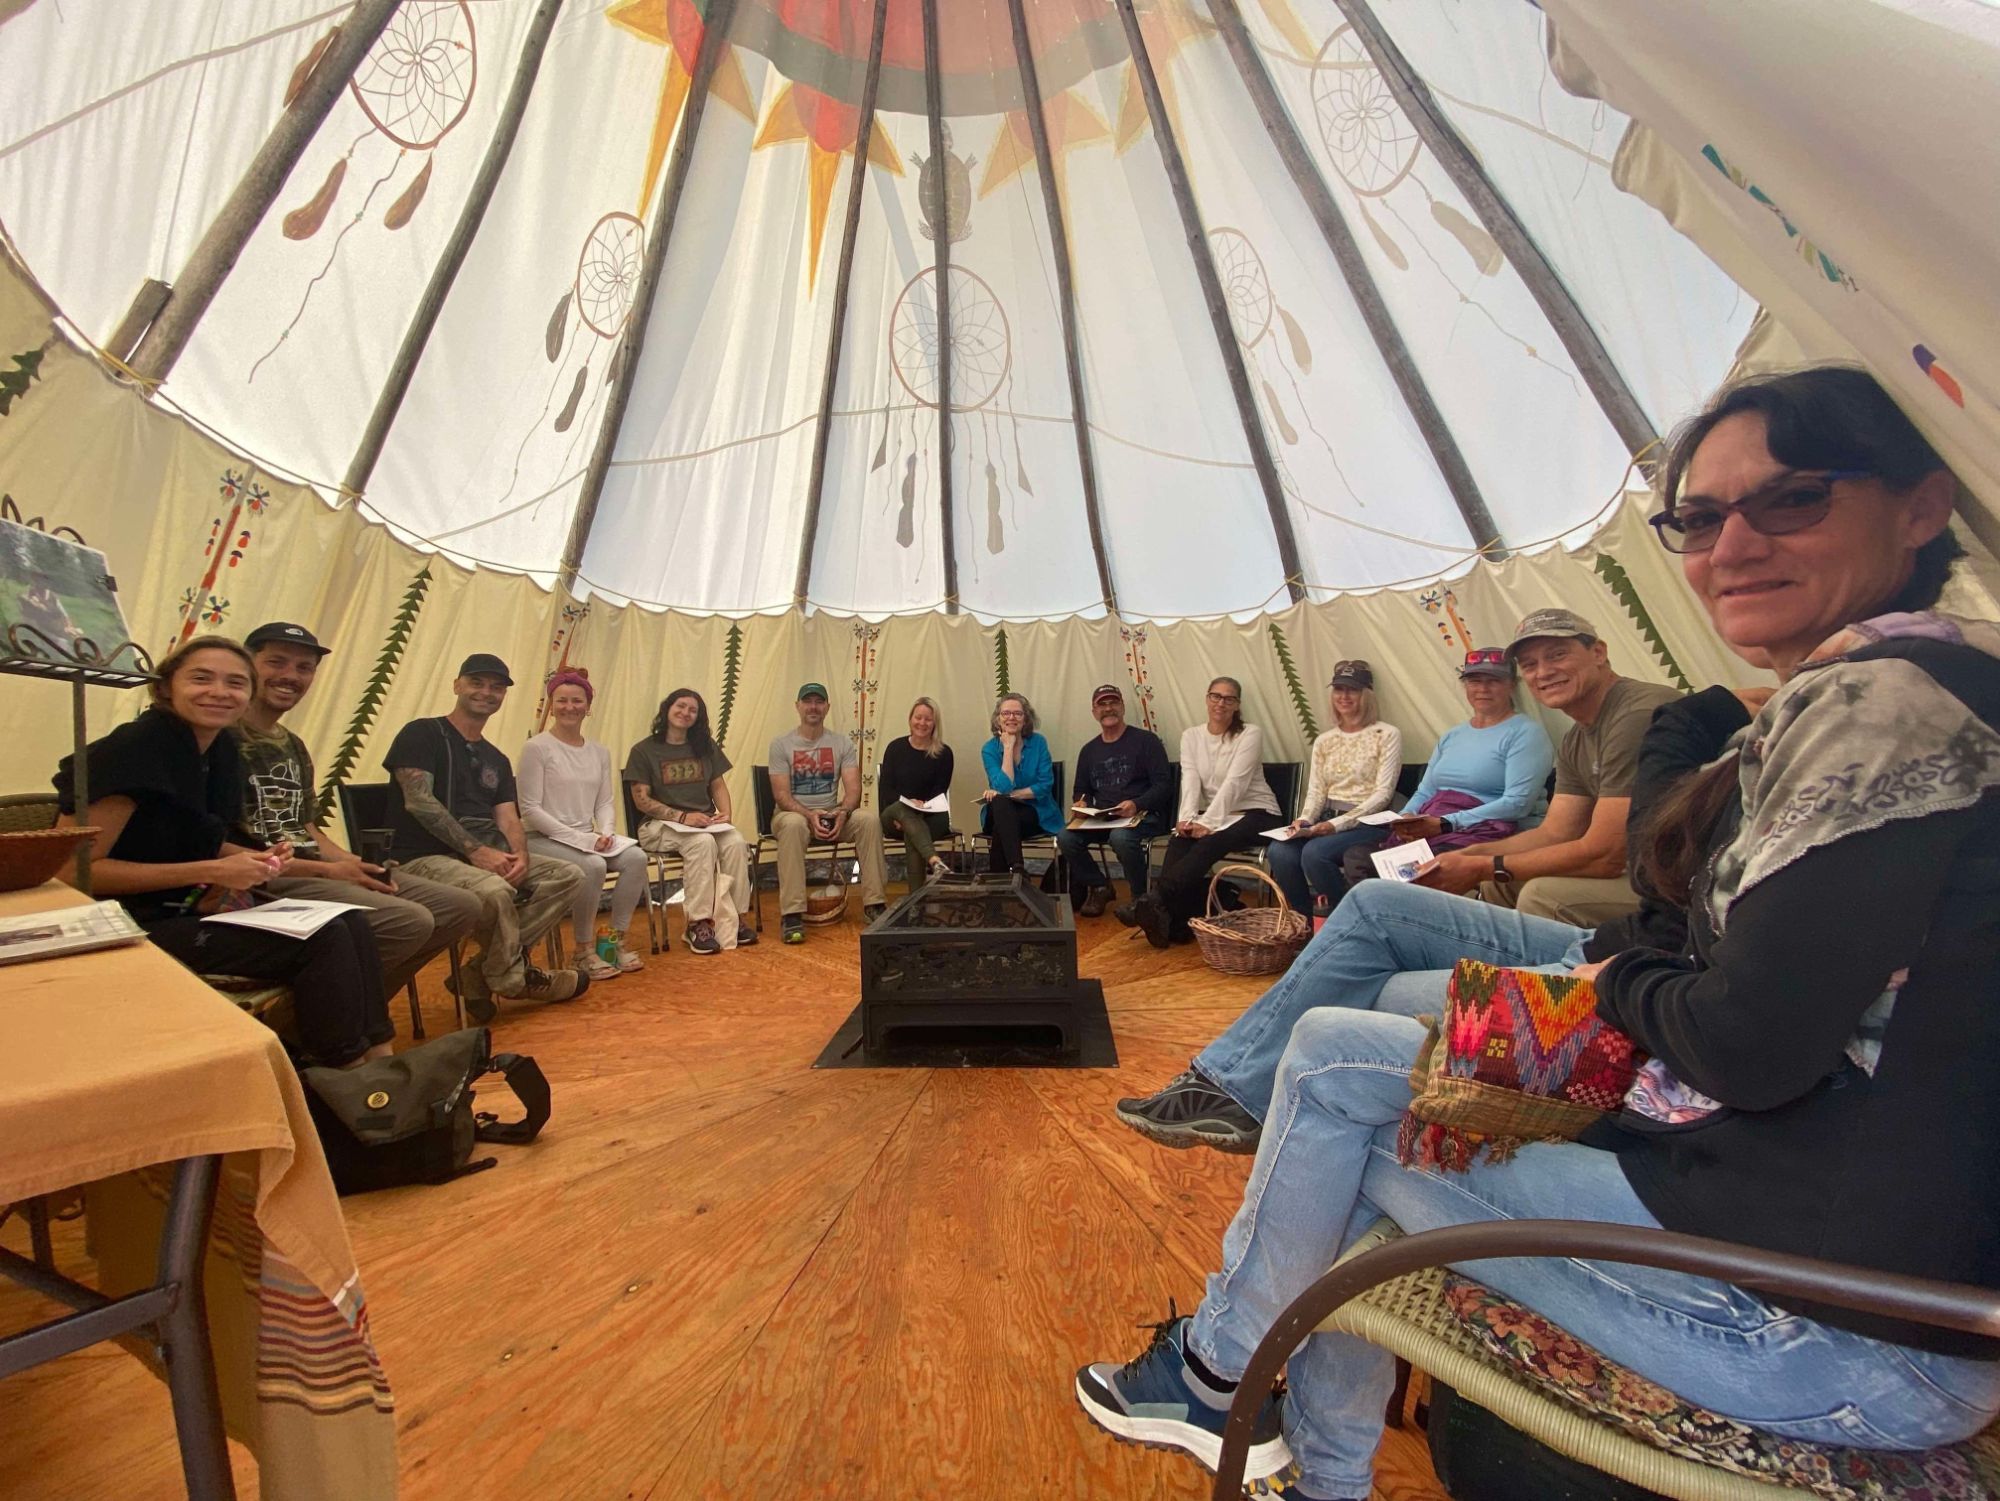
(1352, 774)
(1020, 795)
(1225, 805)
(1822, 1050)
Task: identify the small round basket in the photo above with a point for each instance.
(30, 858)
(1255, 941)
(826, 904)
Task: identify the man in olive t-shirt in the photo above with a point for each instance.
(1571, 867)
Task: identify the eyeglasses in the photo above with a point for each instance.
(1790, 503)
(1224, 698)
(1485, 656)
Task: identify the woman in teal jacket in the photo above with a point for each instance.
(1020, 792)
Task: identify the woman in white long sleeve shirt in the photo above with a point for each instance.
(569, 807)
(1225, 805)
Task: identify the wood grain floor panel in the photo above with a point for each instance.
(723, 1274)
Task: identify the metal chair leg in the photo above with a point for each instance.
(37, 1211)
(457, 987)
(183, 1333)
(416, 1012)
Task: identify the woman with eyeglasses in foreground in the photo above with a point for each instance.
(166, 797)
(1822, 1054)
(1225, 805)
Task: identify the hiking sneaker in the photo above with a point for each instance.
(1153, 919)
(1127, 913)
(745, 935)
(628, 962)
(793, 926)
(1191, 1112)
(541, 985)
(873, 910)
(938, 867)
(1094, 902)
(701, 937)
(596, 968)
(1157, 1400)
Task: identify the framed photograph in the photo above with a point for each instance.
(59, 593)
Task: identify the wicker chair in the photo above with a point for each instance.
(1392, 1291)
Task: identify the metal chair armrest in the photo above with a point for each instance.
(1943, 1305)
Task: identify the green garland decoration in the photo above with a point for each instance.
(1621, 585)
(1001, 684)
(14, 383)
(377, 689)
(1301, 704)
(732, 668)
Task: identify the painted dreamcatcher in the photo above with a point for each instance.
(1258, 318)
(588, 321)
(1451, 628)
(1374, 146)
(982, 368)
(413, 87)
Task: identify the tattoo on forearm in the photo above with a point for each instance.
(420, 800)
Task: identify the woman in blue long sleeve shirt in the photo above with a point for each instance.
(1020, 793)
(1500, 758)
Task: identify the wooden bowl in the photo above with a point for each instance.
(826, 904)
(31, 858)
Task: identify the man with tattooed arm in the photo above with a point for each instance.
(454, 809)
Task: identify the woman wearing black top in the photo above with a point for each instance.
(1822, 1050)
(166, 795)
(917, 766)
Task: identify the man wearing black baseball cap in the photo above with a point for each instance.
(1122, 772)
(412, 919)
(457, 822)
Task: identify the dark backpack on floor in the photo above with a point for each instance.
(409, 1118)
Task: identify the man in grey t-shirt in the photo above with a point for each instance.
(816, 784)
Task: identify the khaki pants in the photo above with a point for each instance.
(703, 856)
(422, 919)
(793, 833)
(506, 928)
(1580, 901)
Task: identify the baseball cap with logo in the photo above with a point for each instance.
(1544, 623)
(813, 690)
(1106, 693)
(284, 633)
(1352, 673)
(485, 664)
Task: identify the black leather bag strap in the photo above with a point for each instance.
(525, 1078)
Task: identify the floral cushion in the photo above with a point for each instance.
(1569, 1370)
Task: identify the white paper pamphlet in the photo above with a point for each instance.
(1383, 819)
(1084, 820)
(66, 930)
(1401, 862)
(1283, 832)
(939, 804)
(707, 828)
(293, 917)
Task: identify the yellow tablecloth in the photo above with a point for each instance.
(120, 1061)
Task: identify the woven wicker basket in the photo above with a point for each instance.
(827, 903)
(30, 858)
(1255, 941)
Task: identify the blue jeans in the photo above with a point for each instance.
(1306, 868)
(1382, 930)
(1326, 1170)
(1129, 845)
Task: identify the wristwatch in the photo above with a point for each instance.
(1445, 825)
(1500, 870)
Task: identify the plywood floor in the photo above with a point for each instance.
(721, 1274)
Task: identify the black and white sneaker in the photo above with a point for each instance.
(1191, 1112)
(1156, 1399)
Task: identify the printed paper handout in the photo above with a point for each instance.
(1401, 862)
(586, 840)
(67, 930)
(292, 917)
(939, 804)
(1383, 819)
(1283, 832)
(707, 828)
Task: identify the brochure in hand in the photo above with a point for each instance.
(1401, 862)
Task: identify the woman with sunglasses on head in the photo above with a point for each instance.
(166, 797)
(1225, 805)
(1822, 1051)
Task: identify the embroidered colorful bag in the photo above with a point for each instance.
(1520, 1056)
